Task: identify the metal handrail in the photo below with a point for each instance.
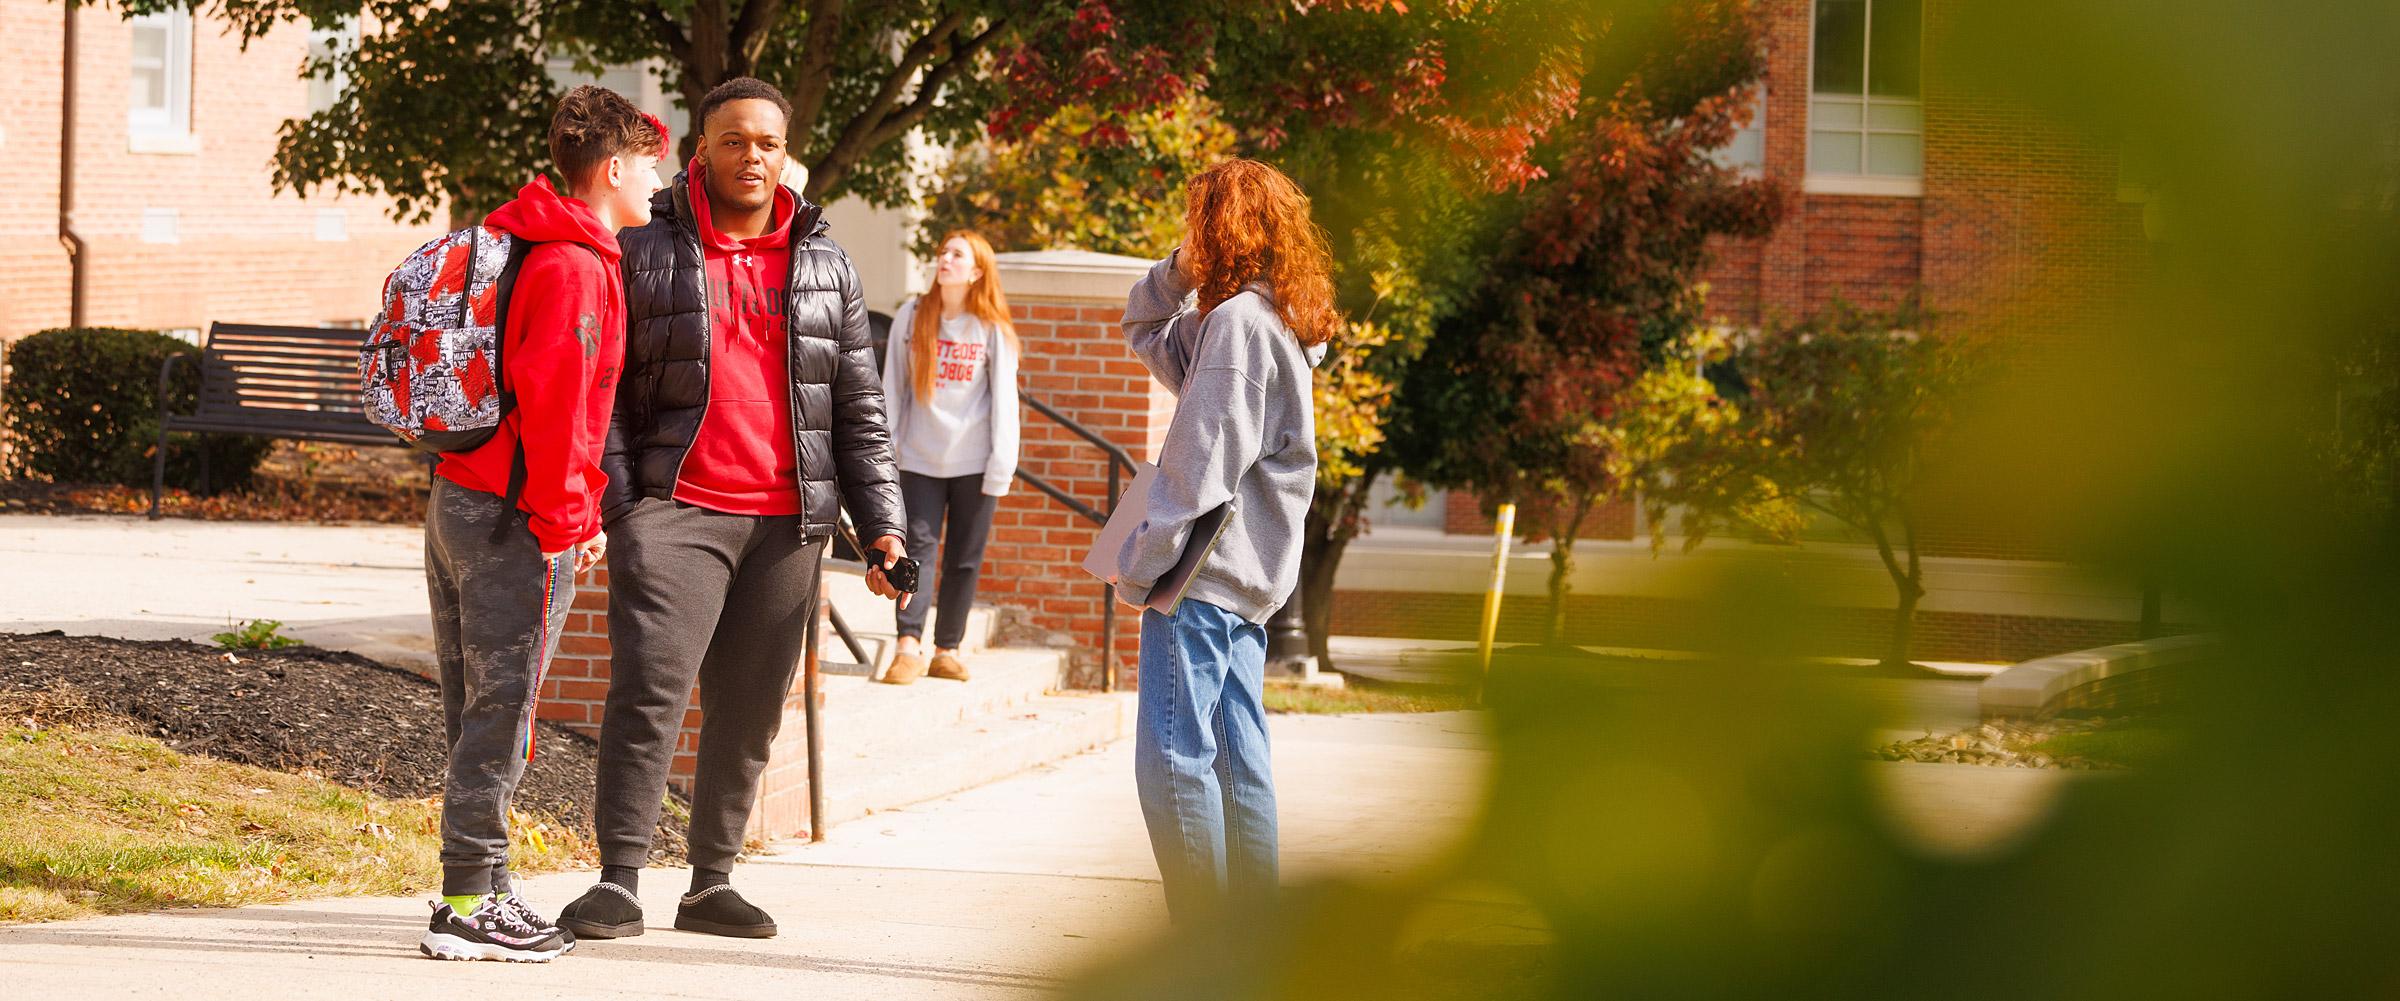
(1119, 463)
(1115, 453)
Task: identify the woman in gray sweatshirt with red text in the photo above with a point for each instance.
(1231, 323)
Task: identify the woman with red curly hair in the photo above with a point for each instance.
(1231, 323)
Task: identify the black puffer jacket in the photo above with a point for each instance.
(844, 449)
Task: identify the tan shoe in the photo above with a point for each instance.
(906, 669)
(948, 667)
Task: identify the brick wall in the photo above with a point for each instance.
(1462, 514)
(245, 253)
(2020, 236)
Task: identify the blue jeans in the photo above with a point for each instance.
(1200, 758)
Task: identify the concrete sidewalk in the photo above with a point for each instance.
(344, 587)
(1000, 892)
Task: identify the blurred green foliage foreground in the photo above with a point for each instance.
(1720, 834)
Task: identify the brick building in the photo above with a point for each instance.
(1904, 181)
(175, 124)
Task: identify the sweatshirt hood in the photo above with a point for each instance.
(1315, 354)
(539, 213)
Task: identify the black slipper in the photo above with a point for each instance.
(604, 911)
(719, 910)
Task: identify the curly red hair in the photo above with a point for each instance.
(1244, 222)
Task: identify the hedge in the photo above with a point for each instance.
(81, 406)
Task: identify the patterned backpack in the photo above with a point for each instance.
(430, 370)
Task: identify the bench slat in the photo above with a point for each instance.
(281, 382)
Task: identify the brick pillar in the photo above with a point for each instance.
(1066, 305)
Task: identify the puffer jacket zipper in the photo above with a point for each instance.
(791, 379)
(688, 228)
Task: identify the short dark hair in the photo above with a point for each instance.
(593, 124)
(741, 88)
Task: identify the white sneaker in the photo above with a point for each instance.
(498, 929)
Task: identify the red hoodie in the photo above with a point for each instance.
(560, 354)
(743, 460)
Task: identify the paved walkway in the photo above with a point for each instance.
(995, 893)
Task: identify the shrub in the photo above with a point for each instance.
(82, 407)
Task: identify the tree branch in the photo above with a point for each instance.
(859, 135)
(748, 40)
(670, 34)
(814, 76)
(929, 93)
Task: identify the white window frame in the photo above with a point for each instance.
(165, 129)
(1754, 164)
(1819, 182)
(330, 41)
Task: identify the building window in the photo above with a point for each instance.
(1747, 152)
(333, 226)
(161, 95)
(1866, 114)
(326, 45)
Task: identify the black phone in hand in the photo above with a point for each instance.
(902, 573)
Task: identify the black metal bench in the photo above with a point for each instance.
(299, 383)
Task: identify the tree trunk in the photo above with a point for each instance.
(1562, 567)
(1317, 575)
(1904, 622)
(1333, 520)
(1909, 581)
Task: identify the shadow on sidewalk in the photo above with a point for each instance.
(301, 932)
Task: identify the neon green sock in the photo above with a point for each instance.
(463, 905)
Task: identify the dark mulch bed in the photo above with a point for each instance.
(350, 719)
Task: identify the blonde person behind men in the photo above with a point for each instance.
(950, 383)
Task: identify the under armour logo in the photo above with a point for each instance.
(744, 259)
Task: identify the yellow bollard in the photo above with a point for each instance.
(1504, 529)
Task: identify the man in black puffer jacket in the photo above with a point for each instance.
(749, 413)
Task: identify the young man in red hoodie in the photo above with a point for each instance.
(501, 576)
(749, 418)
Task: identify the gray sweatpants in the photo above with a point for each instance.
(695, 594)
(498, 608)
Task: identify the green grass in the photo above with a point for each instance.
(101, 821)
(2131, 746)
(1358, 696)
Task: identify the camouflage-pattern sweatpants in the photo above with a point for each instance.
(498, 608)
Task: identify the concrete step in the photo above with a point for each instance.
(859, 712)
(870, 619)
(912, 767)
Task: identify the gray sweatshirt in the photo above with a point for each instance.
(1244, 430)
(970, 426)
